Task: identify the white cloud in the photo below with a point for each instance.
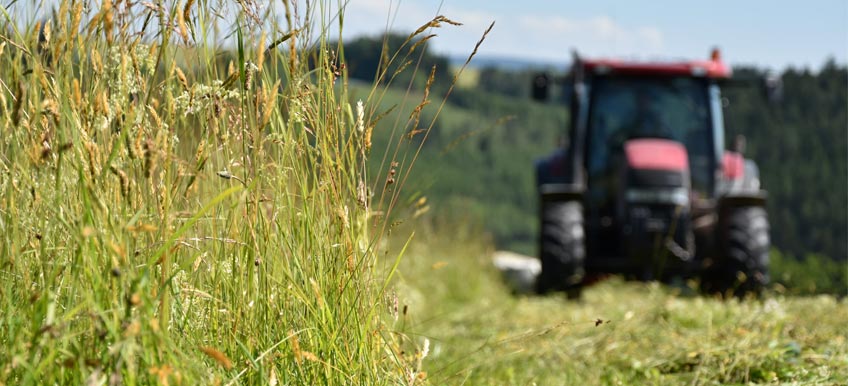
(548, 36)
(544, 37)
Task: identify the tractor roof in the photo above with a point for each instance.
(713, 68)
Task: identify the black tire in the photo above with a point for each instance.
(744, 245)
(562, 248)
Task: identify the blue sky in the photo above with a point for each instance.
(776, 34)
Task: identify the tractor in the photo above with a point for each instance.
(643, 186)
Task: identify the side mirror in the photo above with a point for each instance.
(773, 88)
(540, 87)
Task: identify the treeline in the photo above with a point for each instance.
(801, 145)
(478, 162)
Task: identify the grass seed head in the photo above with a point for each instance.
(50, 107)
(295, 343)
(76, 18)
(101, 104)
(260, 59)
(311, 357)
(96, 61)
(360, 116)
(77, 93)
(182, 78)
(137, 150)
(362, 194)
(132, 329)
(317, 291)
(93, 152)
(157, 121)
(200, 154)
(231, 69)
(44, 36)
(343, 214)
(187, 10)
(3, 102)
(435, 23)
(182, 29)
(218, 356)
(108, 19)
(149, 159)
(63, 20)
(19, 103)
(368, 133)
(124, 180)
(162, 373)
(270, 103)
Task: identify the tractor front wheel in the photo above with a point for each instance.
(744, 244)
(562, 248)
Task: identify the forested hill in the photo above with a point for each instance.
(477, 163)
(801, 145)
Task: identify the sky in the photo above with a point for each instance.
(775, 34)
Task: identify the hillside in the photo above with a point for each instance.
(476, 164)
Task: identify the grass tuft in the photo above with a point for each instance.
(183, 206)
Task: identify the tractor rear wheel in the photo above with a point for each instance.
(744, 244)
(562, 248)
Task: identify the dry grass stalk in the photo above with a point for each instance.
(435, 23)
(416, 112)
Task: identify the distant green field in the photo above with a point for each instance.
(469, 77)
(620, 333)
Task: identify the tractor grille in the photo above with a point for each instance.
(656, 178)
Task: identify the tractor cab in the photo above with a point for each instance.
(647, 168)
(654, 135)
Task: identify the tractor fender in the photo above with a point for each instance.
(740, 199)
(740, 176)
(552, 169)
(553, 179)
(740, 182)
(554, 192)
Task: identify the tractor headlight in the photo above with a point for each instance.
(675, 196)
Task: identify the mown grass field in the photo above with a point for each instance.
(620, 333)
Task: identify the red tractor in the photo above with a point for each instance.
(645, 187)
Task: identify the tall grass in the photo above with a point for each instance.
(175, 213)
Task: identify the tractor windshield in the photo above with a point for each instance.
(623, 108)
